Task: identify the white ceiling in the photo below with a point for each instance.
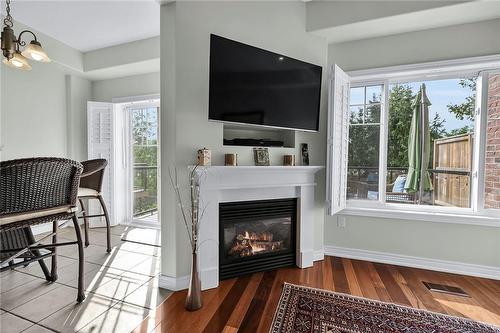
(90, 25)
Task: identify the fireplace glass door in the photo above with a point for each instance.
(256, 236)
(262, 236)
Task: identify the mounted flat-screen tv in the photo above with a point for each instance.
(249, 85)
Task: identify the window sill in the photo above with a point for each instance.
(471, 219)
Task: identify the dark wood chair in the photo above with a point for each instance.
(91, 188)
(35, 191)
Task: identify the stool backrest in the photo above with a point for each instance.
(32, 184)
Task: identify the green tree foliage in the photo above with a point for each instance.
(364, 137)
(400, 113)
(465, 110)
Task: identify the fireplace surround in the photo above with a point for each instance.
(226, 184)
(256, 236)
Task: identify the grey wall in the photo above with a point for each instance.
(33, 115)
(462, 243)
(43, 112)
(78, 92)
(144, 84)
(185, 31)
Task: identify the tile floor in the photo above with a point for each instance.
(121, 287)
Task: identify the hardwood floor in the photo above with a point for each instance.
(247, 304)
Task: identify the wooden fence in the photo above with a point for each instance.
(452, 161)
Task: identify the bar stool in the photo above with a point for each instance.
(90, 188)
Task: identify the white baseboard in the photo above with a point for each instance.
(490, 272)
(173, 283)
(209, 278)
(319, 255)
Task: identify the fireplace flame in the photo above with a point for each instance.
(248, 244)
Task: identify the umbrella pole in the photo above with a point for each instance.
(421, 182)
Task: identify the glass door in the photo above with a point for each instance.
(145, 148)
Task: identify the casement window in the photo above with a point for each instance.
(377, 141)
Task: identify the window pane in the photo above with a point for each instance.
(372, 113)
(373, 94)
(492, 162)
(364, 134)
(356, 114)
(362, 179)
(145, 155)
(449, 124)
(357, 96)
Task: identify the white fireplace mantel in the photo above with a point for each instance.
(244, 183)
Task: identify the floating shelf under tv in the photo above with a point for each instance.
(253, 136)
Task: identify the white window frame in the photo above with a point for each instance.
(128, 110)
(476, 214)
(126, 104)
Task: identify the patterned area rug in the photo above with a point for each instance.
(303, 309)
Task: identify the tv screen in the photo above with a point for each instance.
(254, 86)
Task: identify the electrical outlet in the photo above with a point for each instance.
(341, 222)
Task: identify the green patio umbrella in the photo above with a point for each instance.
(419, 144)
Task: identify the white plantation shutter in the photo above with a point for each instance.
(338, 137)
(100, 144)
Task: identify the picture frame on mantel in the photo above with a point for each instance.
(261, 156)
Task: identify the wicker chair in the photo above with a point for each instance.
(35, 191)
(90, 188)
(399, 197)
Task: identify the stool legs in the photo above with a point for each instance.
(53, 268)
(85, 223)
(108, 227)
(81, 293)
(31, 240)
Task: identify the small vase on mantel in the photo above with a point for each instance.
(193, 299)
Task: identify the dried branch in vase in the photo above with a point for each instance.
(192, 215)
(192, 212)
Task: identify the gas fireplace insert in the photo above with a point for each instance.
(256, 236)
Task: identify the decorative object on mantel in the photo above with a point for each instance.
(261, 156)
(204, 157)
(313, 310)
(304, 151)
(13, 57)
(289, 160)
(231, 159)
(191, 216)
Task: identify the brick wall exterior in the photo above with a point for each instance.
(492, 180)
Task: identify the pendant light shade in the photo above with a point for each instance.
(12, 45)
(18, 61)
(34, 51)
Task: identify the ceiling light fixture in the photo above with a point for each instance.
(10, 46)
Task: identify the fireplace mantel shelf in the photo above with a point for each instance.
(310, 168)
(255, 177)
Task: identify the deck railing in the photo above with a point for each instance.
(145, 202)
(455, 180)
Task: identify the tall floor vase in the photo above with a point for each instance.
(193, 299)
